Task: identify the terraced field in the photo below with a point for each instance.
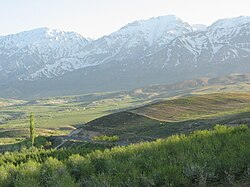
(196, 107)
(182, 115)
(58, 116)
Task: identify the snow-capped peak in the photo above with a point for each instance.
(45, 52)
(43, 41)
(231, 22)
(41, 36)
(154, 28)
(160, 20)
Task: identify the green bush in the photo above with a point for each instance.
(80, 167)
(28, 175)
(106, 138)
(54, 173)
(40, 155)
(219, 156)
(3, 176)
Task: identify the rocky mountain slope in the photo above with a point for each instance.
(40, 52)
(159, 50)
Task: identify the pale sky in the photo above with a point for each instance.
(95, 18)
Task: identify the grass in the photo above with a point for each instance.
(182, 115)
(218, 157)
(61, 115)
(56, 116)
(10, 141)
(106, 138)
(197, 107)
(175, 161)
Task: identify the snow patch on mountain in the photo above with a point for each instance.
(153, 29)
(230, 22)
(199, 27)
(41, 50)
(49, 53)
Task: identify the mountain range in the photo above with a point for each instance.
(46, 62)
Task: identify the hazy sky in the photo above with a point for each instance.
(95, 18)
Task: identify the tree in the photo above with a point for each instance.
(32, 129)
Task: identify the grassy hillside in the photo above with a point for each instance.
(197, 107)
(218, 157)
(58, 116)
(182, 115)
(230, 83)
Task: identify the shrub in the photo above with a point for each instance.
(106, 138)
(28, 175)
(54, 174)
(220, 156)
(3, 176)
(80, 167)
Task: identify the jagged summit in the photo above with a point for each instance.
(231, 22)
(157, 50)
(154, 28)
(40, 36)
(44, 50)
(162, 20)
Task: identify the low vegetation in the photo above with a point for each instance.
(209, 157)
(175, 116)
(40, 155)
(197, 107)
(218, 157)
(106, 138)
(58, 116)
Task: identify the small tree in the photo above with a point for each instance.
(32, 129)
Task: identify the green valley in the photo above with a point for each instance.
(163, 135)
